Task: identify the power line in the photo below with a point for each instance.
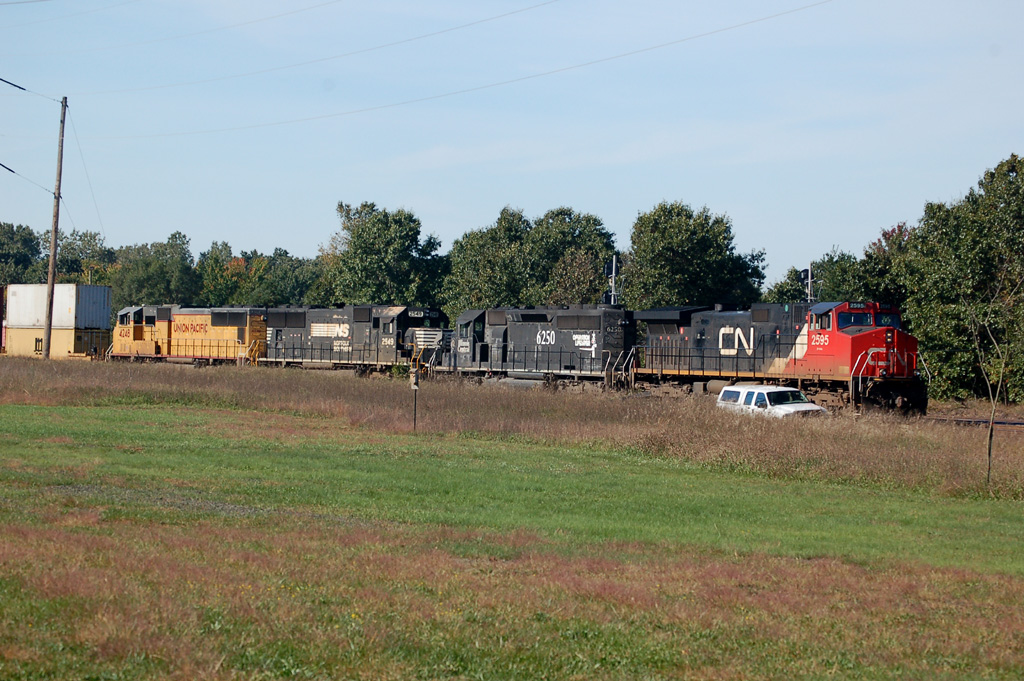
(88, 180)
(24, 89)
(343, 55)
(488, 86)
(67, 213)
(15, 172)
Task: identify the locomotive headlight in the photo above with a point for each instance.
(888, 336)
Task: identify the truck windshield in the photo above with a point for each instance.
(787, 397)
(846, 319)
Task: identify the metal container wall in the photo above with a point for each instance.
(92, 307)
(26, 306)
(75, 306)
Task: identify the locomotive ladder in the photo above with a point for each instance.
(618, 368)
(253, 352)
(415, 360)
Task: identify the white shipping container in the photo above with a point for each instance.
(75, 306)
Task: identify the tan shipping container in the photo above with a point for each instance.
(64, 343)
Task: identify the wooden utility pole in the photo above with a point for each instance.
(51, 275)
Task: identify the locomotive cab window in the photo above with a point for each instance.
(130, 317)
(854, 319)
(888, 319)
(822, 322)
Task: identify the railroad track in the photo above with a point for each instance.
(1000, 424)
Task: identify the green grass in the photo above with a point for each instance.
(179, 542)
(574, 494)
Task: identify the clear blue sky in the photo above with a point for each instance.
(247, 121)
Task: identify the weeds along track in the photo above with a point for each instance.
(1001, 425)
(932, 456)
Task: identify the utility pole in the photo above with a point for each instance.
(51, 275)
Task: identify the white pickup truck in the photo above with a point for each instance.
(770, 400)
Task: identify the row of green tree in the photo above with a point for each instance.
(678, 256)
(957, 273)
(958, 276)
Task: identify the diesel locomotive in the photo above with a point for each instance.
(188, 334)
(839, 353)
(579, 342)
(361, 337)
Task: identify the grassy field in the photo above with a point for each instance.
(170, 523)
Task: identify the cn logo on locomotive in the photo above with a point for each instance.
(737, 340)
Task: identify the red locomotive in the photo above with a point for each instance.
(839, 353)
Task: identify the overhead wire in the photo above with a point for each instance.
(26, 90)
(84, 167)
(488, 86)
(67, 214)
(320, 60)
(88, 180)
(30, 181)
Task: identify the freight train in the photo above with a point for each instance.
(842, 354)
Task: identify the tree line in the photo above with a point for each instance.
(957, 274)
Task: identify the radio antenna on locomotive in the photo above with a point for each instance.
(611, 270)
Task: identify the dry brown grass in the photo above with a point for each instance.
(369, 600)
(870, 449)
